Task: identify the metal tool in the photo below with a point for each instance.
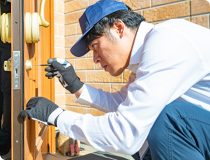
(42, 65)
(46, 65)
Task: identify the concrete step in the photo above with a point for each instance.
(89, 153)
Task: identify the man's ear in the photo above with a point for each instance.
(119, 27)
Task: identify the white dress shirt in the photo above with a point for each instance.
(169, 61)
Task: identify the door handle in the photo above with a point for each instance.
(41, 13)
(32, 23)
(5, 27)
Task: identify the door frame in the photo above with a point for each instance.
(17, 98)
(18, 125)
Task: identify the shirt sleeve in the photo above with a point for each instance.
(104, 101)
(165, 72)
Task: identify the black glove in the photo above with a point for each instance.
(65, 72)
(42, 110)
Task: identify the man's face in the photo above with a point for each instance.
(112, 52)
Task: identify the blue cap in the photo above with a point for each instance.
(90, 17)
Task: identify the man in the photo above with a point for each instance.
(167, 98)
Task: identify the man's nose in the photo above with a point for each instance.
(96, 58)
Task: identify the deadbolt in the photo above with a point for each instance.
(28, 65)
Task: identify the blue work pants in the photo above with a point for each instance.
(181, 132)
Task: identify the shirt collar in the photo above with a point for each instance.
(143, 29)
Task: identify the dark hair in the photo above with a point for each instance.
(130, 18)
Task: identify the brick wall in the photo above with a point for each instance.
(59, 32)
(67, 32)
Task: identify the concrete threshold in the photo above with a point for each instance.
(87, 152)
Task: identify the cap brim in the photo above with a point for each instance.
(79, 48)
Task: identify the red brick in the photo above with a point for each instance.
(93, 2)
(200, 6)
(59, 41)
(137, 4)
(126, 75)
(103, 86)
(84, 64)
(116, 87)
(59, 18)
(70, 30)
(98, 66)
(70, 100)
(58, 88)
(60, 99)
(73, 17)
(159, 2)
(69, 55)
(77, 109)
(95, 112)
(59, 52)
(79, 31)
(71, 40)
(201, 20)
(90, 53)
(72, 61)
(60, 6)
(167, 12)
(82, 75)
(102, 76)
(75, 5)
(60, 29)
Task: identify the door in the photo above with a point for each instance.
(30, 139)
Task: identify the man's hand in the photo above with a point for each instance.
(42, 110)
(65, 72)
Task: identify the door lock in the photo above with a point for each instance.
(32, 23)
(7, 65)
(28, 65)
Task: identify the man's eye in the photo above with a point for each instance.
(91, 46)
